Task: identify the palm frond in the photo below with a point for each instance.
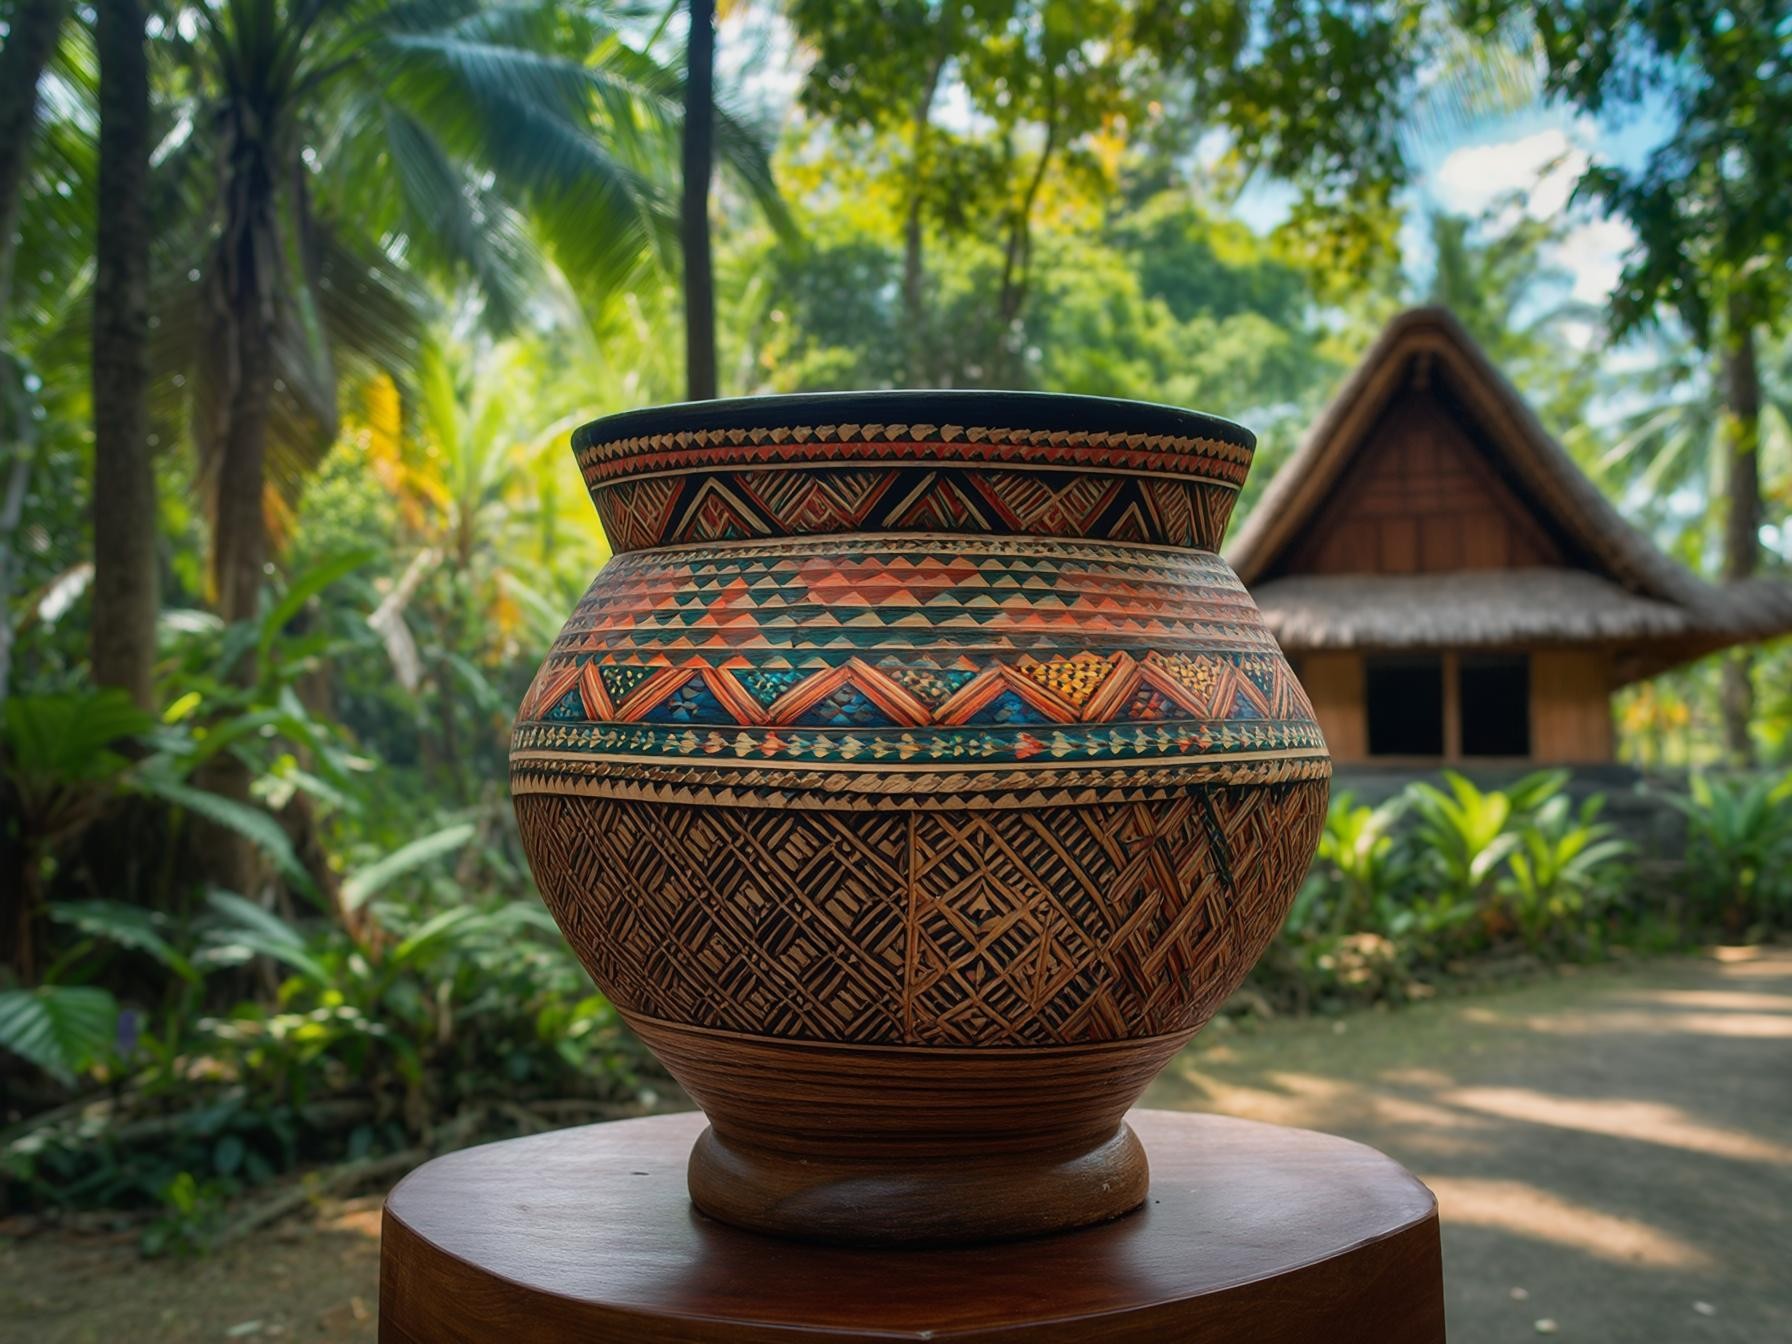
(455, 225)
(510, 110)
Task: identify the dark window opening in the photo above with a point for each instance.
(1495, 698)
(1406, 706)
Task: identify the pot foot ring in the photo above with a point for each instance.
(895, 1199)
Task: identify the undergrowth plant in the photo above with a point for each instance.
(1739, 850)
(1402, 893)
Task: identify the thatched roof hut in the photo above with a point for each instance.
(1449, 583)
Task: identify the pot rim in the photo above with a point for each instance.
(968, 407)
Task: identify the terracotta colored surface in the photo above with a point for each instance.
(1250, 1232)
(906, 735)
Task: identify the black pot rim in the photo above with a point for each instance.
(972, 408)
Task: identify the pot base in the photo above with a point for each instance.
(872, 1201)
(901, 1145)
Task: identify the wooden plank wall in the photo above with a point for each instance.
(1420, 499)
(1334, 683)
(1571, 708)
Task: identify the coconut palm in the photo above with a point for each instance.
(330, 154)
(32, 29)
(1498, 280)
(332, 151)
(125, 588)
(1664, 446)
(45, 259)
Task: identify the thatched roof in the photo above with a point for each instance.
(1625, 592)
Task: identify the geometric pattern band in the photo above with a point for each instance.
(726, 484)
(1034, 927)
(730, 484)
(926, 651)
(884, 497)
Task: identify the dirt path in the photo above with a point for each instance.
(1616, 1145)
(1612, 1151)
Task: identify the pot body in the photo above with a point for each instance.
(916, 780)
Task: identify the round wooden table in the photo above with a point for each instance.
(1251, 1232)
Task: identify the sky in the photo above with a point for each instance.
(1534, 156)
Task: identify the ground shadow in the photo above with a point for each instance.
(1612, 1150)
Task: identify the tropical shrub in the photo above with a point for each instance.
(414, 1031)
(1566, 866)
(1739, 850)
(1401, 893)
(1359, 867)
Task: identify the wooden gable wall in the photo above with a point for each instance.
(1419, 498)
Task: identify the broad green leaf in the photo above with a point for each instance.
(307, 586)
(251, 823)
(439, 930)
(129, 926)
(375, 877)
(248, 927)
(61, 1029)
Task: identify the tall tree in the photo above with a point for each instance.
(1710, 205)
(125, 597)
(32, 29)
(1056, 92)
(879, 68)
(698, 156)
(340, 149)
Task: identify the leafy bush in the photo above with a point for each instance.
(1399, 894)
(420, 1031)
(1566, 865)
(1739, 850)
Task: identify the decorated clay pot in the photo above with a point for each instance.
(916, 780)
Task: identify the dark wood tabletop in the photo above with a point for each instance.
(1251, 1232)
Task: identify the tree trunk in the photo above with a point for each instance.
(240, 538)
(30, 39)
(29, 42)
(914, 314)
(124, 494)
(1742, 516)
(699, 280)
(1017, 257)
(239, 553)
(245, 348)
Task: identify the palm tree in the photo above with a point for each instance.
(332, 153)
(1498, 281)
(32, 28)
(125, 597)
(1665, 444)
(698, 153)
(337, 149)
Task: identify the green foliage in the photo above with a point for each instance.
(1565, 861)
(419, 1025)
(61, 1029)
(1465, 828)
(370, 880)
(1401, 894)
(1739, 850)
(1359, 868)
(1709, 203)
